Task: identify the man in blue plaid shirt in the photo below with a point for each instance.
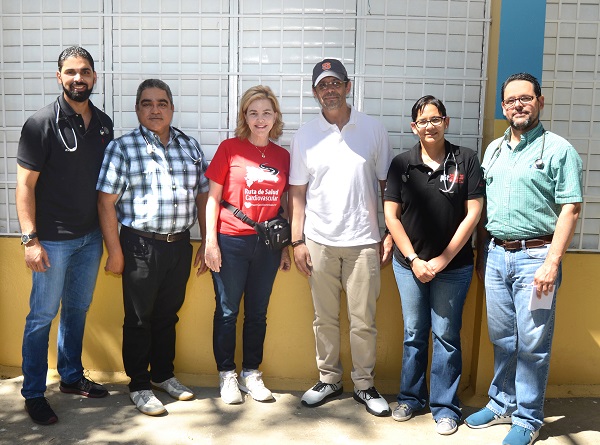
(152, 182)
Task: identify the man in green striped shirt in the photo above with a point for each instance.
(534, 195)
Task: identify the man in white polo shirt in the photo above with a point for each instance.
(337, 161)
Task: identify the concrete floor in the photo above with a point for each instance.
(206, 420)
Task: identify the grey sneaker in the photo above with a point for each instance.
(175, 389)
(146, 402)
(254, 385)
(228, 384)
(402, 412)
(446, 426)
(318, 394)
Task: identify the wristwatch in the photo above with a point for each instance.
(26, 238)
(409, 259)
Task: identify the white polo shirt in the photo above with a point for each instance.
(342, 170)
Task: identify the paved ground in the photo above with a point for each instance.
(207, 421)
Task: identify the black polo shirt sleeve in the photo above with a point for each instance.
(475, 183)
(393, 189)
(35, 143)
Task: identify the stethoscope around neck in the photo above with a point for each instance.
(450, 158)
(150, 146)
(538, 163)
(103, 130)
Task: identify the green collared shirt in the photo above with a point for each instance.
(524, 201)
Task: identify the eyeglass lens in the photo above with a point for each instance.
(513, 100)
(437, 120)
(326, 85)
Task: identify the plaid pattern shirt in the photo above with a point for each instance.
(157, 185)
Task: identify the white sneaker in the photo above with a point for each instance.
(175, 389)
(230, 392)
(318, 394)
(373, 401)
(252, 384)
(146, 402)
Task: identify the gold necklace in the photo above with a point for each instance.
(262, 153)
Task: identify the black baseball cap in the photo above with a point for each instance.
(329, 67)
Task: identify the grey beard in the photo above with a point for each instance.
(528, 123)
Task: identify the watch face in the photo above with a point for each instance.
(25, 239)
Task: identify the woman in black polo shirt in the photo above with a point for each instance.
(433, 202)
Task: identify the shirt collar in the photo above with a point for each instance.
(325, 125)
(415, 152)
(66, 108)
(152, 137)
(526, 138)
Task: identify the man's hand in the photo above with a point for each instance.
(115, 263)
(385, 249)
(302, 259)
(200, 261)
(286, 263)
(544, 278)
(36, 257)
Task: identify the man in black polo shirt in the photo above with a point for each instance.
(58, 161)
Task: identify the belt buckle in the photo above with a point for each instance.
(169, 240)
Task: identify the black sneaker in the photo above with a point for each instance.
(84, 387)
(40, 412)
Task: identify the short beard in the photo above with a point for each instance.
(78, 96)
(525, 125)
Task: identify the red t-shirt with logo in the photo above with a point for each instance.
(250, 182)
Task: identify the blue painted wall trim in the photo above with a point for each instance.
(521, 46)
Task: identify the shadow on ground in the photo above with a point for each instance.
(206, 420)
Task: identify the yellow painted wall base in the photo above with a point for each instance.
(289, 357)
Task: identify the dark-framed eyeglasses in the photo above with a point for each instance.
(512, 101)
(435, 121)
(335, 84)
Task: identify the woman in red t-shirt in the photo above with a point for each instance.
(250, 172)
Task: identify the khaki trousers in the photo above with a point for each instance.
(356, 271)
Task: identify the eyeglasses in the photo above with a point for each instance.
(510, 103)
(336, 85)
(435, 121)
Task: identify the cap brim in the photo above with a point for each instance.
(325, 74)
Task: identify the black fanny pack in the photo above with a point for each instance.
(276, 232)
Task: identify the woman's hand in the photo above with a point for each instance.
(212, 256)
(422, 270)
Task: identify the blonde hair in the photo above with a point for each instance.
(257, 92)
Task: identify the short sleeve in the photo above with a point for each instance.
(114, 170)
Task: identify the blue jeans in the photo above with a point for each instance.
(248, 267)
(436, 306)
(522, 339)
(69, 280)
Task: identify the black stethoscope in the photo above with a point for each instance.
(103, 130)
(444, 178)
(538, 163)
(150, 146)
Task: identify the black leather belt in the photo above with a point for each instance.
(524, 243)
(168, 237)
